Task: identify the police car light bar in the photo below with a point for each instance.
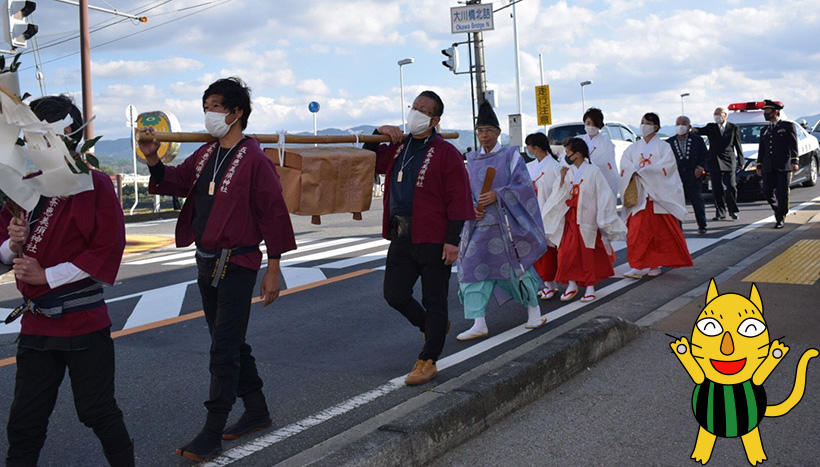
(750, 105)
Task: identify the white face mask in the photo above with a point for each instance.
(718, 119)
(59, 126)
(647, 130)
(591, 130)
(417, 122)
(681, 130)
(215, 124)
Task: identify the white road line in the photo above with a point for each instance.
(162, 303)
(262, 442)
(190, 251)
(311, 247)
(294, 277)
(336, 252)
(11, 328)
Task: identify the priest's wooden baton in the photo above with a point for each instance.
(488, 183)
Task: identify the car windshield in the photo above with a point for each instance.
(557, 135)
(750, 132)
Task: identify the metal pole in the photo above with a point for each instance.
(401, 87)
(517, 67)
(131, 118)
(85, 53)
(583, 106)
(472, 90)
(480, 77)
(541, 68)
(315, 127)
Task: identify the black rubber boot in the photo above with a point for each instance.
(255, 418)
(208, 443)
(123, 458)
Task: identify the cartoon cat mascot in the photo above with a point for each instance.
(729, 359)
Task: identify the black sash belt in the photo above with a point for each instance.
(221, 259)
(84, 296)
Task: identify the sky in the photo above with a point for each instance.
(640, 56)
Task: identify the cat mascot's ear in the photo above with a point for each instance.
(754, 297)
(712, 293)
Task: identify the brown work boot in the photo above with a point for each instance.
(423, 371)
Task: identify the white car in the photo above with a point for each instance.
(620, 135)
(748, 116)
(816, 130)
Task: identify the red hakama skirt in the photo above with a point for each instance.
(655, 240)
(576, 262)
(547, 265)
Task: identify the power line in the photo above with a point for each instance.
(213, 4)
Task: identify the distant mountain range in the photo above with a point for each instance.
(116, 153)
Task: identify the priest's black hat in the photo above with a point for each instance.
(770, 104)
(486, 116)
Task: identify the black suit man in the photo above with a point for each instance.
(690, 154)
(777, 158)
(725, 155)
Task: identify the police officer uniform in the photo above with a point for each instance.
(776, 155)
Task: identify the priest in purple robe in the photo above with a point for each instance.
(499, 248)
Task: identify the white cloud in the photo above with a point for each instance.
(315, 87)
(129, 69)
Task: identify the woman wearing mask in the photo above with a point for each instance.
(580, 217)
(544, 170)
(601, 149)
(655, 238)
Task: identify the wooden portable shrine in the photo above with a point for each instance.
(316, 180)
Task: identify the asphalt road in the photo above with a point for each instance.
(329, 342)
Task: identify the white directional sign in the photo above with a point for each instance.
(471, 18)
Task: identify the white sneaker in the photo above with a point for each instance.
(478, 331)
(654, 272)
(636, 273)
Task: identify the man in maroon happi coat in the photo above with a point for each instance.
(233, 202)
(69, 247)
(426, 201)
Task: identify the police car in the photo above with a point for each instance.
(748, 116)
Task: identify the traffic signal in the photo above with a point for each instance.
(16, 27)
(452, 58)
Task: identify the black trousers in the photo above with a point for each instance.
(227, 309)
(39, 375)
(724, 191)
(406, 262)
(776, 192)
(692, 191)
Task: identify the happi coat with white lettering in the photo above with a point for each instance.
(248, 205)
(86, 230)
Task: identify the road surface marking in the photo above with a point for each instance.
(164, 303)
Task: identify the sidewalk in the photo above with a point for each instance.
(635, 406)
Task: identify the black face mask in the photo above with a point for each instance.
(569, 160)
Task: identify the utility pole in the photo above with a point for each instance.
(478, 52)
(85, 54)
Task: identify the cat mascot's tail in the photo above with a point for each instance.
(798, 390)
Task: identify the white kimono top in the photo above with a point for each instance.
(596, 207)
(602, 154)
(657, 177)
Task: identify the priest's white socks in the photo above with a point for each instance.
(534, 319)
(478, 330)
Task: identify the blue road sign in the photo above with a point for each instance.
(313, 106)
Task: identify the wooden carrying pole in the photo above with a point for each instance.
(180, 137)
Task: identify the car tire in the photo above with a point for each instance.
(812, 180)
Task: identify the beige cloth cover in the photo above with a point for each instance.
(326, 180)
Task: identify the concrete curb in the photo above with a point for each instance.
(460, 414)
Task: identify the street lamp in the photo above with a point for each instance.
(583, 104)
(686, 94)
(405, 61)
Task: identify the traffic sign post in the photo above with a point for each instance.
(471, 18)
(314, 109)
(542, 104)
